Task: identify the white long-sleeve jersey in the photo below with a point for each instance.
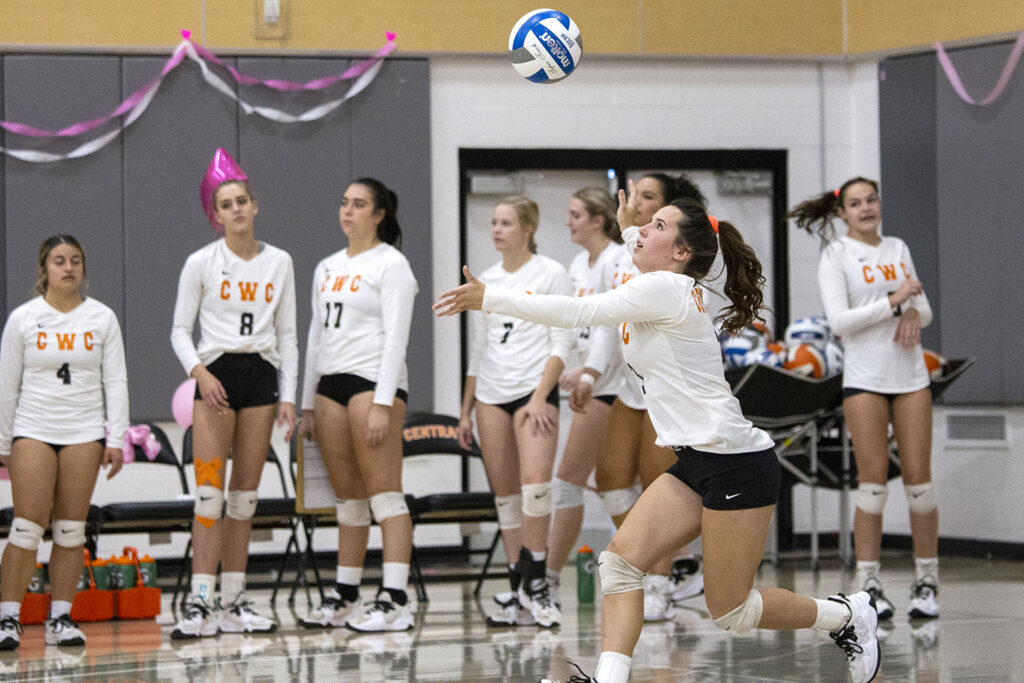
(855, 280)
(243, 307)
(362, 312)
(605, 358)
(669, 344)
(620, 269)
(507, 355)
(62, 375)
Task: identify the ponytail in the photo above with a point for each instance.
(821, 208)
(744, 280)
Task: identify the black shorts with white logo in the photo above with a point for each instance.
(341, 388)
(729, 481)
(248, 380)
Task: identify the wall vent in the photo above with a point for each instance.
(976, 431)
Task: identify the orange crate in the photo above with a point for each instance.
(140, 602)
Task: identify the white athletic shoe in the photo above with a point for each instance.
(196, 621)
(923, 602)
(874, 588)
(332, 612)
(657, 606)
(383, 614)
(575, 678)
(10, 633)
(537, 601)
(240, 617)
(63, 632)
(686, 579)
(857, 639)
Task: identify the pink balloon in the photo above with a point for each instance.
(181, 404)
(221, 170)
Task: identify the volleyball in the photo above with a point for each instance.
(735, 350)
(545, 46)
(805, 359)
(813, 330)
(770, 355)
(833, 358)
(936, 363)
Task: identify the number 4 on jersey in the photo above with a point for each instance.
(64, 373)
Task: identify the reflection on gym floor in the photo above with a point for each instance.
(977, 637)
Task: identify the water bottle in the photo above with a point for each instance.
(147, 566)
(38, 582)
(585, 567)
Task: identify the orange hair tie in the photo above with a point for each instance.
(714, 223)
(836, 192)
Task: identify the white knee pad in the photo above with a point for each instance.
(510, 511)
(620, 501)
(69, 533)
(352, 511)
(617, 575)
(921, 498)
(387, 505)
(25, 533)
(537, 499)
(871, 498)
(567, 495)
(744, 617)
(241, 505)
(209, 502)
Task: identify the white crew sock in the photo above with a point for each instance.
(203, 586)
(232, 586)
(613, 667)
(927, 566)
(396, 575)
(832, 615)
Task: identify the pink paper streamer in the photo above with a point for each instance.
(1004, 77)
(176, 59)
(140, 435)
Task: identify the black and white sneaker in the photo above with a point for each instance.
(857, 639)
(64, 632)
(197, 621)
(924, 602)
(10, 633)
(575, 678)
(873, 587)
(334, 611)
(686, 578)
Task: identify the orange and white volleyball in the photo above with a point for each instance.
(805, 359)
(936, 363)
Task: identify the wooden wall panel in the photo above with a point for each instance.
(661, 27)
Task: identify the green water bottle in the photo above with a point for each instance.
(38, 581)
(585, 568)
(147, 566)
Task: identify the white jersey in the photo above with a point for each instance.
(669, 344)
(605, 358)
(620, 269)
(243, 307)
(362, 311)
(507, 355)
(62, 375)
(855, 280)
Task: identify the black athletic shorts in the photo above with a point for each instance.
(606, 399)
(248, 379)
(729, 481)
(512, 406)
(57, 446)
(341, 388)
(853, 391)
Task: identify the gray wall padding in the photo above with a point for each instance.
(974, 205)
(135, 204)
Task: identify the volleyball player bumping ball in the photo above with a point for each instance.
(243, 292)
(725, 483)
(62, 376)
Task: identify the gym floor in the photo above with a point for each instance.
(977, 638)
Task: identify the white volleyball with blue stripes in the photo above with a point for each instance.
(545, 46)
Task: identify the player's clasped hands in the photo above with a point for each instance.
(468, 297)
